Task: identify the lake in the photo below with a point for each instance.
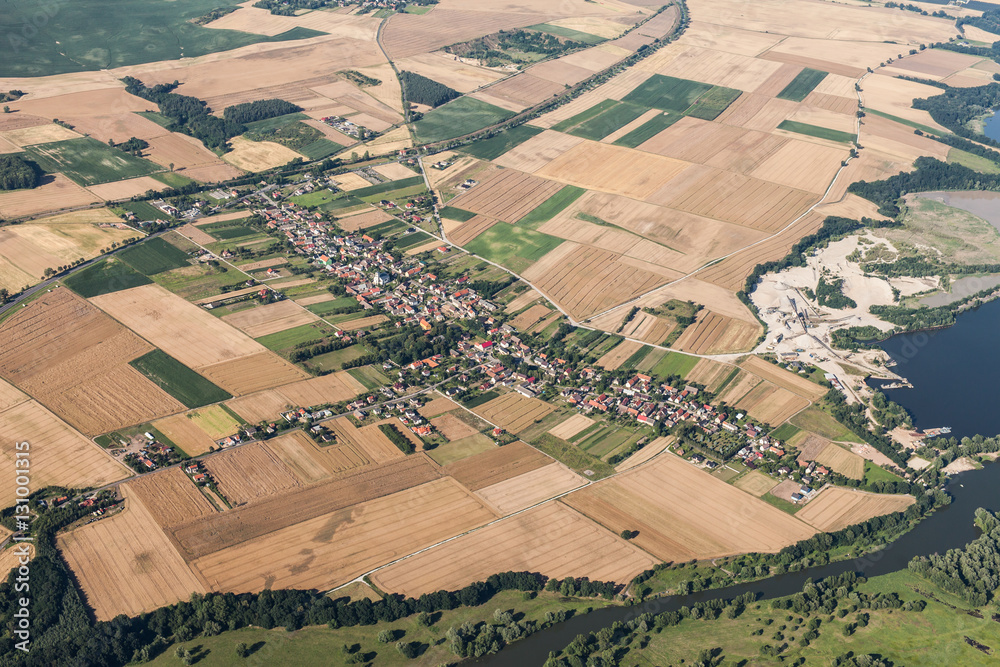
(952, 371)
(991, 127)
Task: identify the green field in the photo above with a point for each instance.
(173, 179)
(516, 248)
(104, 277)
(87, 161)
(816, 131)
(674, 363)
(713, 103)
(334, 361)
(647, 130)
(667, 93)
(178, 380)
(452, 213)
(457, 118)
(154, 256)
(341, 203)
(383, 188)
(319, 149)
(315, 198)
(289, 338)
(90, 35)
(387, 227)
(568, 33)
(276, 122)
(479, 399)
(324, 308)
(497, 145)
(144, 211)
(785, 432)
(370, 376)
(972, 161)
(413, 240)
(551, 206)
(584, 116)
(803, 84)
(874, 473)
(572, 456)
(156, 117)
(608, 121)
(313, 646)
(815, 420)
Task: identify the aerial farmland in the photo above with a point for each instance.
(366, 301)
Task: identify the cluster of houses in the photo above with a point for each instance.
(196, 473)
(351, 129)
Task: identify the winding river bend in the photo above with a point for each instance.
(953, 371)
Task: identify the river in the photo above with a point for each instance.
(951, 370)
(948, 528)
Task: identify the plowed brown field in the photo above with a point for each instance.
(496, 465)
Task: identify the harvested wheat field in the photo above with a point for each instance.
(260, 406)
(249, 472)
(783, 378)
(836, 507)
(451, 427)
(55, 193)
(497, 465)
(9, 558)
(192, 233)
(506, 194)
(10, 396)
(364, 220)
(586, 280)
(715, 334)
(529, 317)
(526, 297)
(755, 483)
(183, 152)
(252, 373)
(709, 373)
(470, 229)
(649, 451)
(333, 549)
(125, 564)
(771, 404)
(682, 512)
(531, 488)
(553, 540)
(571, 426)
(191, 335)
(225, 529)
(368, 439)
(74, 358)
(185, 434)
(842, 460)
(258, 155)
(301, 456)
(170, 497)
(513, 412)
(132, 187)
(617, 355)
(39, 134)
(270, 318)
(363, 322)
(331, 388)
(346, 457)
(613, 169)
(538, 151)
(60, 456)
(437, 406)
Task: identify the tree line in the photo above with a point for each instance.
(187, 114)
(973, 572)
(418, 89)
(16, 173)
(249, 112)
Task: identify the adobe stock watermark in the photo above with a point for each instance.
(22, 550)
(44, 12)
